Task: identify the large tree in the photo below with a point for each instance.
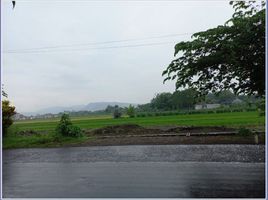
(184, 99)
(230, 56)
(162, 101)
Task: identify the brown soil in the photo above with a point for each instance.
(173, 140)
(133, 129)
(131, 134)
(125, 129)
(198, 129)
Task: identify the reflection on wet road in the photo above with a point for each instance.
(136, 171)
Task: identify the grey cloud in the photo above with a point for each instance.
(39, 80)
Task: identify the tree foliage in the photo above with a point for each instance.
(162, 101)
(179, 100)
(224, 97)
(228, 56)
(7, 112)
(184, 99)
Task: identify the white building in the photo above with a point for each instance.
(207, 106)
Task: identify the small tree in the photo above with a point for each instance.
(162, 101)
(66, 128)
(7, 112)
(117, 113)
(131, 111)
(65, 122)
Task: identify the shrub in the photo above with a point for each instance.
(74, 131)
(238, 110)
(261, 107)
(170, 113)
(143, 115)
(65, 127)
(244, 131)
(251, 109)
(149, 114)
(117, 113)
(131, 111)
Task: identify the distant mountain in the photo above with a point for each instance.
(89, 107)
(102, 105)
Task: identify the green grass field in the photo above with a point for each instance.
(13, 140)
(216, 119)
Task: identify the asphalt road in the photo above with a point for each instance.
(135, 171)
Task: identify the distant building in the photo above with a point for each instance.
(207, 106)
(237, 101)
(19, 116)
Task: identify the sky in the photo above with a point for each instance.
(64, 52)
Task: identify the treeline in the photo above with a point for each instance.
(186, 100)
(109, 109)
(179, 102)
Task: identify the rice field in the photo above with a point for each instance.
(234, 119)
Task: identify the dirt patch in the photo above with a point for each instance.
(121, 130)
(133, 129)
(200, 129)
(234, 139)
(132, 134)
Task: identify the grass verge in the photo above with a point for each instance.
(48, 140)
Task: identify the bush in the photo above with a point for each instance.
(74, 131)
(141, 115)
(238, 110)
(149, 114)
(251, 109)
(131, 111)
(244, 131)
(261, 107)
(65, 127)
(117, 113)
(210, 111)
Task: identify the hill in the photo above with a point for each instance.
(89, 107)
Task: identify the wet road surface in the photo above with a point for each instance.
(136, 171)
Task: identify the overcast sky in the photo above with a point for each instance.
(73, 70)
